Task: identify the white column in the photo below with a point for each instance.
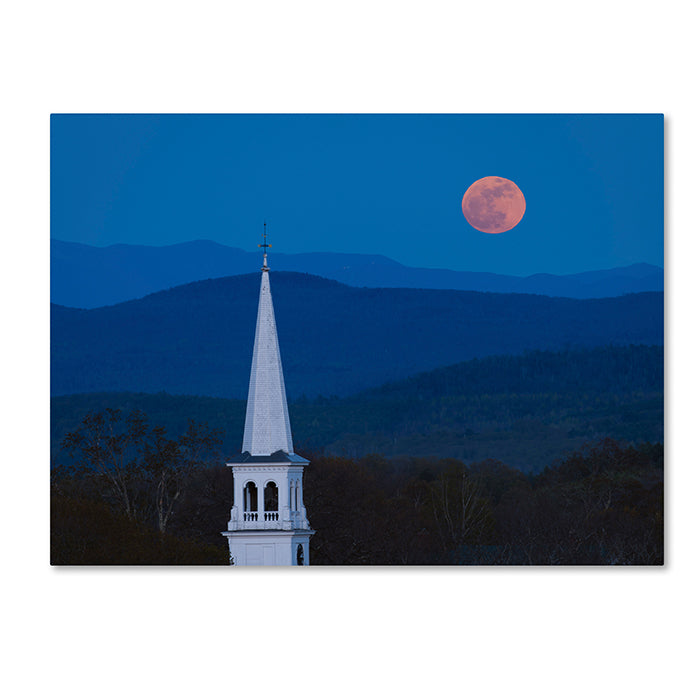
(240, 496)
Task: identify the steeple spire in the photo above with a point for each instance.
(267, 429)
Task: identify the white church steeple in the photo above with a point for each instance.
(268, 524)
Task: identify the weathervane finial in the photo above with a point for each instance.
(264, 245)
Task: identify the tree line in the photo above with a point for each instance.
(132, 495)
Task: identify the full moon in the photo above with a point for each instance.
(493, 204)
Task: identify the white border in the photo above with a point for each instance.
(178, 633)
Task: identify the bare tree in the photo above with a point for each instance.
(145, 471)
(110, 447)
(169, 464)
(461, 514)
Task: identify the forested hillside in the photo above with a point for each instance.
(197, 339)
(524, 410)
(542, 458)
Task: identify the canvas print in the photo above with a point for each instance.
(357, 339)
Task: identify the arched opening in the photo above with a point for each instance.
(250, 501)
(271, 501)
(300, 555)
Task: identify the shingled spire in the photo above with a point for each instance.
(267, 428)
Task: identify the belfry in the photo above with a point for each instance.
(268, 524)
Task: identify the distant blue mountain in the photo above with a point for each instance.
(87, 277)
(335, 339)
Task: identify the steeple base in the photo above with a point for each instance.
(268, 547)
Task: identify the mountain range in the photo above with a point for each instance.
(88, 277)
(335, 339)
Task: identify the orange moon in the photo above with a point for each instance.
(493, 204)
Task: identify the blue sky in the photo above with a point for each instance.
(386, 184)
